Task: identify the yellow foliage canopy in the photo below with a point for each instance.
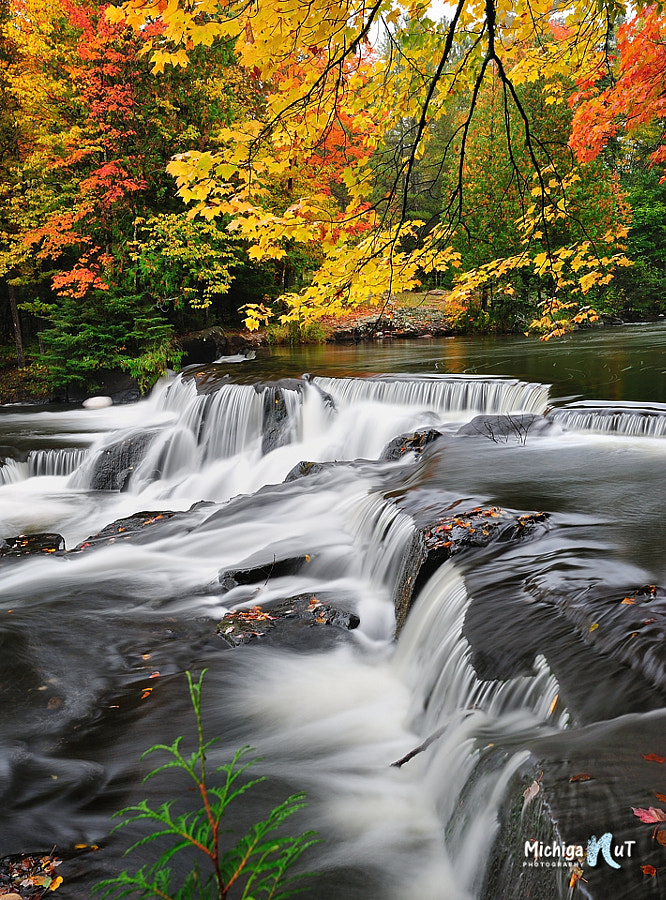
(321, 81)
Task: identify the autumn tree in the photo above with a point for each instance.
(515, 43)
(95, 219)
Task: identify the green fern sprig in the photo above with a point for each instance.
(256, 867)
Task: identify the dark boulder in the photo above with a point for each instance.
(122, 529)
(202, 346)
(115, 464)
(453, 534)
(276, 421)
(415, 442)
(508, 428)
(232, 578)
(115, 383)
(30, 544)
(240, 626)
(305, 468)
(145, 526)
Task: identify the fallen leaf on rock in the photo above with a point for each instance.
(583, 776)
(576, 876)
(652, 757)
(660, 836)
(661, 797)
(649, 870)
(530, 793)
(650, 815)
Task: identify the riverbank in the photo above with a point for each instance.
(412, 316)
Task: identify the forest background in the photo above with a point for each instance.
(170, 166)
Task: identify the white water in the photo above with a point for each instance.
(451, 395)
(632, 420)
(330, 722)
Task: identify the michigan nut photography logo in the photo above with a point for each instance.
(538, 854)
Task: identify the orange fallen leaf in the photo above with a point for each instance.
(146, 693)
(652, 757)
(659, 796)
(628, 600)
(649, 870)
(584, 776)
(552, 706)
(576, 876)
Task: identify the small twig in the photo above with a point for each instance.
(424, 746)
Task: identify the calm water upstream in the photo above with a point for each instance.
(520, 655)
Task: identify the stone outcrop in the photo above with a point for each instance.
(240, 626)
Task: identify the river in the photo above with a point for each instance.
(519, 654)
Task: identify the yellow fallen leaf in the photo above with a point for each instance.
(55, 884)
(594, 627)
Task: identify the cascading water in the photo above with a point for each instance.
(95, 641)
(55, 462)
(443, 395)
(637, 420)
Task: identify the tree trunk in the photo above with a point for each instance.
(18, 337)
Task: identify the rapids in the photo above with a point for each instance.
(514, 654)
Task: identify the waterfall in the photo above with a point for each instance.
(441, 394)
(55, 462)
(12, 471)
(631, 420)
(223, 423)
(471, 716)
(329, 710)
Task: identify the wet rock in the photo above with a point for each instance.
(203, 346)
(142, 524)
(124, 528)
(207, 378)
(415, 442)
(507, 428)
(240, 626)
(115, 464)
(625, 625)
(232, 578)
(276, 422)
(30, 544)
(305, 468)
(456, 533)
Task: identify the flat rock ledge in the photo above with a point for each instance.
(240, 626)
(455, 533)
